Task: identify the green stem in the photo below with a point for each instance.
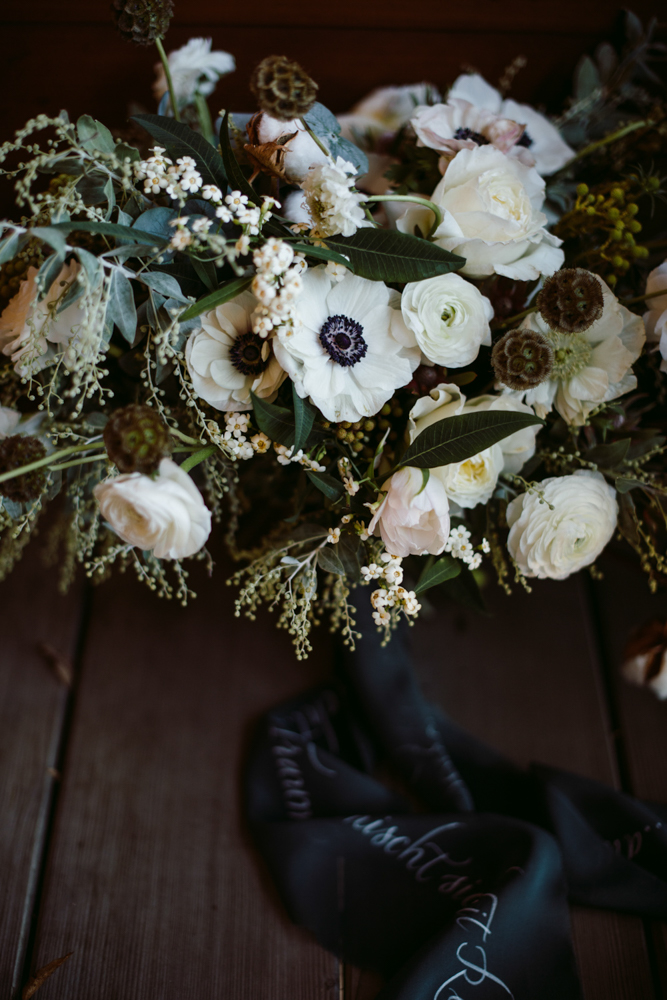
(612, 137)
(641, 298)
(199, 456)
(514, 319)
(79, 461)
(437, 211)
(167, 72)
(183, 437)
(205, 119)
(41, 462)
(315, 138)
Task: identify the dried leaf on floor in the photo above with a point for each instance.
(42, 975)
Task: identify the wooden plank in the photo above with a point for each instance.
(527, 680)
(151, 880)
(502, 16)
(33, 704)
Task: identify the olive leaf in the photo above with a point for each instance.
(454, 439)
(387, 255)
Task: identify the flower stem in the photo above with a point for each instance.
(167, 72)
(41, 462)
(316, 139)
(204, 116)
(79, 461)
(437, 211)
(183, 437)
(612, 137)
(641, 298)
(514, 319)
(199, 456)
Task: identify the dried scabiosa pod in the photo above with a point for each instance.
(522, 359)
(15, 451)
(645, 657)
(142, 21)
(136, 439)
(571, 300)
(283, 89)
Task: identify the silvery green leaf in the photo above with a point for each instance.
(156, 220)
(125, 152)
(91, 187)
(94, 135)
(53, 236)
(110, 197)
(55, 483)
(96, 420)
(328, 560)
(47, 274)
(121, 309)
(166, 284)
(14, 509)
(586, 78)
(131, 250)
(9, 246)
(123, 218)
(326, 127)
(454, 439)
(73, 293)
(91, 265)
(123, 233)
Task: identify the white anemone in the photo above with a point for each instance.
(349, 349)
(193, 68)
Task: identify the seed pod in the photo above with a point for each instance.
(522, 359)
(142, 21)
(283, 89)
(136, 439)
(15, 451)
(571, 300)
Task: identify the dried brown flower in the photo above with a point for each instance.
(15, 451)
(522, 359)
(571, 300)
(136, 438)
(282, 88)
(142, 21)
(645, 657)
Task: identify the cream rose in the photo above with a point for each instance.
(166, 515)
(555, 538)
(449, 317)
(655, 318)
(492, 216)
(413, 518)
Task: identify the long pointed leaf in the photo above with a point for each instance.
(180, 140)
(444, 569)
(223, 294)
(304, 418)
(387, 255)
(454, 439)
(277, 422)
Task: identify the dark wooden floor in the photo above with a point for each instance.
(121, 838)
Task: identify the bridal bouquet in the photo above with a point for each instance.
(417, 345)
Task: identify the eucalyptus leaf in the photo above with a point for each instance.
(92, 188)
(156, 220)
(445, 568)
(277, 422)
(327, 559)
(304, 418)
(223, 294)
(123, 218)
(54, 236)
(125, 152)
(387, 255)
(94, 135)
(326, 127)
(164, 283)
(586, 78)
(180, 140)
(9, 246)
(94, 270)
(47, 274)
(454, 439)
(332, 488)
(125, 234)
(121, 309)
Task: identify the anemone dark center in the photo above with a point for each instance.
(343, 340)
(525, 140)
(246, 354)
(467, 133)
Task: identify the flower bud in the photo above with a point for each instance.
(136, 438)
(15, 451)
(142, 21)
(571, 300)
(522, 359)
(282, 88)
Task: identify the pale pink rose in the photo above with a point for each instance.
(413, 518)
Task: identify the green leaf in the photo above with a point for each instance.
(327, 559)
(164, 283)
(464, 590)
(387, 255)
(121, 309)
(326, 127)
(223, 294)
(304, 418)
(332, 488)
(624, 485)
(277, 422)
(94, 135)
(91, 265)
(47, 274)
(9, 246)
(321, 253)
(609, 456)
(125, 234)
(348, 553)
(454, 439)
(156, 221)
(180, 140)
(237, 179)
(54, 236)
(444, 569)
(205, 271)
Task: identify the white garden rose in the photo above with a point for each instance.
(413, 518)
(449, 317)
(227, 361)
(655, 318)
(563, 528)
(492, 216)
(473, 481)
(9, 419)
(166, 514)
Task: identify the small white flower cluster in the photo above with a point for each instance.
(349, 482)
(334, 205)
(236, 208)
(459, 545)
(179, 180)
(234, 441)
(391, 595)
(277, 284)
(287, 455)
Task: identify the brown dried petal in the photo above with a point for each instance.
(282, 88)
(522, 359)
(571, 300)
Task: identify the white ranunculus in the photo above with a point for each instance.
(449, 317)
(541, 143)
(492, 216)
(166, 514)
(413, 518)
(349, 349)
(554, 539)
(29, 328)
(591, 367)
(9, 419)
(301, 152)
(194, 68)
(334, 206)
(655, 318)
(458, 124)
(227, 361)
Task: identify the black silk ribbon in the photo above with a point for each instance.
(451, 875)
